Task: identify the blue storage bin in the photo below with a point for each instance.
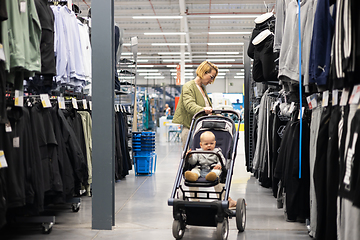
(145, 163)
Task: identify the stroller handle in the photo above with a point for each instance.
(217, 111)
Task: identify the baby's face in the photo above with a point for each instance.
(208, 144)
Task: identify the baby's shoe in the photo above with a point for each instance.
(190, 176)
(211, 176)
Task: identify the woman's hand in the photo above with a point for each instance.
(208, 110)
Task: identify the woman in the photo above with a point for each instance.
(194, 99)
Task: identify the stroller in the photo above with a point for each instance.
(209, 208)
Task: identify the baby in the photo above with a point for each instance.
(206, 165)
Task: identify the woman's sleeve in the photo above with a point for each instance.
(190, 104)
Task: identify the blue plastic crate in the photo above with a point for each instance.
(145, 163)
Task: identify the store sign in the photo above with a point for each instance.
(178, 75)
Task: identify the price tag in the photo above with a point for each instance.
(302, 113)
(84, 104)
(45, 100)
(61, 102)
(16, 142)
(292, 107)
(335, 97)
(23, 6)
(90, 105)
(325, 99)
(19, 98)
(2, 52)
(129, 109)
(355, 95)
(308, 99)
(3, 163)
(344, 97)
(8, 127)
(74, 103)
(256, 92)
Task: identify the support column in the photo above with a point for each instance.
(103, 115)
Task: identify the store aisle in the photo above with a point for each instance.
(142, 211)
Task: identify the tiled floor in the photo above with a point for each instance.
(142, 211)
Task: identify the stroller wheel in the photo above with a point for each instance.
(178, 229)
(240, 214)
(222, 230)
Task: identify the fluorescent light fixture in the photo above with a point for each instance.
(126, 44)
(225, 65)
(186, 70)
(221, 74)
(142, 60)
(149, 66)
(233, 43)
(224, 70)
(126, 77)
(175, 60)
(220, 77)
(171, 66)
(171, 53)
(147, 70)
(151, 73)
(191, 74)
(169, 44)
(219, 53)
(129, 53)
(165, 33)
(236, 16)
(241, 73)
(187, 77)
(157, 17)
(239, 33)
(242, 70)
(238, 76)
(221, 60)
(154, 77)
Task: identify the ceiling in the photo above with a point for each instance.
(225, 24)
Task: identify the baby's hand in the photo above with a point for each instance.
(217, 166)
(188, 151)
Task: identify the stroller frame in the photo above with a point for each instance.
(214, 213)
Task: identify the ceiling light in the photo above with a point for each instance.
(157, 17)
(188, 77)
(241, 73)
(169, 44)
(126, 77)
(238, 76)
(149, 66)
(239, 33)
(154, 77)
(186, 70)
(171, 66)
(175, 60)
(221, 60)
(150, 73)
(220, 76)
(129, 53)
(225, 65)
(126, 44)
(165, 33)
(147, 70)
(210, 53)
(236, 16)
(174, 74)
(171, 53)
(224, 70)
(233, 43)
(142, 60)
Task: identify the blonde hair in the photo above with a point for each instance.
(207, 134)
(206, 67)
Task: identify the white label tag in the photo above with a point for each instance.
(308, 99)
(292, 107)
(129, 109)
(23, 6)
(344, 97)
(45, 100)
(325, 99)
(256, 92)
(8, 127)
(74, 103)
(19, 98)
(90, 105)
(335, 97)
(84, 104)
(302, 113)
(3, 163)
(2, 52)
(61, 102)
(355, 96)
(16, 142)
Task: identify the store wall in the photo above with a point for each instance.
(220, 85)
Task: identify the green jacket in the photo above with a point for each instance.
(191, 101)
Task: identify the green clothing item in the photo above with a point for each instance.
(21, 37)
(191, 102)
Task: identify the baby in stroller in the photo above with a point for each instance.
(206, 165)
